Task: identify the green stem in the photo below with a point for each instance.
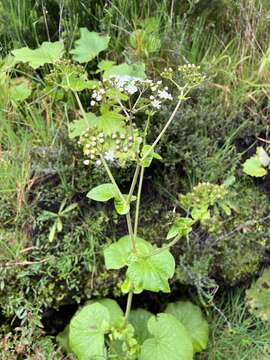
(138, 203)
(111, 177)
(162, 131)
(130, 231)
(79, 103)
(159, 250)
(128, 307)
(134, 182)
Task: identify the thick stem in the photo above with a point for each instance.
(128, 307)
(130, 231)
(138, 203)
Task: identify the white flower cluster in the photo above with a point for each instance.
(128, 84)
(159, 95)
(97, 96)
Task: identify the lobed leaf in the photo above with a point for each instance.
(89, 45)
(47, 53)
(145, 272)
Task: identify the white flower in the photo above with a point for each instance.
(164, 95)
(92, 103)
(86, 162)
(99, 98)
(98, 163)
(131, 89)
(156, 104)
(109, 156)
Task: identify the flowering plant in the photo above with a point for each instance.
(113, 130)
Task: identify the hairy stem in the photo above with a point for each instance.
(128, 307)
(137, 211)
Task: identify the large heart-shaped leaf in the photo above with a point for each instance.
(170, 340)
(47, 53)
(116, 313)
(87, 330)
(192, 318)
(145, 272)
(89, 45)
(139, 319)
(117, 254)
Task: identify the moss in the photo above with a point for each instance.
(234, 253)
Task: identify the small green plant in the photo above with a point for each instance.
(112, 130)
(57, 226)
(258, 164)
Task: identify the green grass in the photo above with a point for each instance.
(238, 335)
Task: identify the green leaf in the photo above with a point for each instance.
(182, 226)
(170, 340)
(132, 70)
(258, 297)
(59, 225)
(89, 45)
(139, 319)
(121, 206)
(144, 271)
(116, 313)
(172, 232)
(69, 208)
(263, 156)
(110, 122)
(63, 339)
(117, 254)
(192, 318)
(78, 82)
(103, 192)
(105, 65)
(52, 232)
(229, 181)
(47, 53)
(78, 127)
(87, 330)
(253, 167)
(20, 90)
(147, 155)
(200, 213)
